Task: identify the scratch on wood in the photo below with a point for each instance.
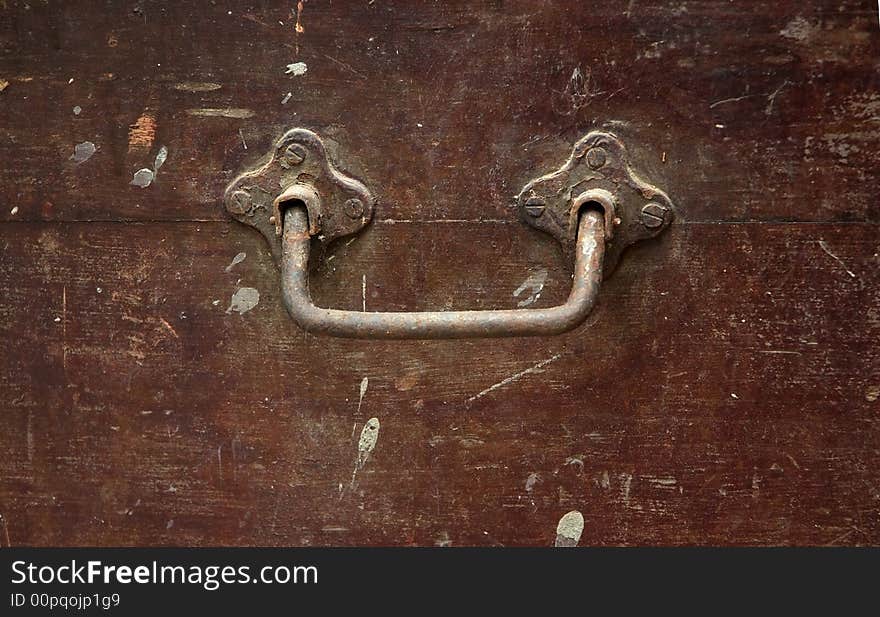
(64, 327)
(168, 326)
(731, 100)
(771, 98)
(226, 112)
(504, 382)
(825, 248)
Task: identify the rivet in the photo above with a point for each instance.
(653, 215)
(596, 158)
(294, 154)
(535, 206)
(353, 208)
(240, 202)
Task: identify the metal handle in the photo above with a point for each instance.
(595, 205)
(295, 240)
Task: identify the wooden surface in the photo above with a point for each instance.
(726, 389)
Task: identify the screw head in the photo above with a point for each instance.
(353, 208)
(653, 215)
(535, 206)
(239, 202)
(596, 158)
(293, 155)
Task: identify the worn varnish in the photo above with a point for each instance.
(725, 390)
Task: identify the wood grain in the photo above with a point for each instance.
(759, 113)
(724, 391)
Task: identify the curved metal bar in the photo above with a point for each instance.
(590, 249)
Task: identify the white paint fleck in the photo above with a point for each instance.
(531, 481)
(143, 178)
(733, 395)
(533, 285)
(240, 257)
(14, 210)
(366, 445)
(82, 152)
(296, 69)
(160, 159)
(368, 439)
(533, 369)
(286, 98)
(364, 293)
(77, 110)
(569, 529)
(365, 382)
(798, 29)
(243, 300)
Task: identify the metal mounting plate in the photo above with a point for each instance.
(299, 159)
(597, 170)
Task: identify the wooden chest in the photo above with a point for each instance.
(154, 390)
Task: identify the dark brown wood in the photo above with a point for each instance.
(725, 390)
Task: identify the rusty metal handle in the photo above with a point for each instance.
(589, 253)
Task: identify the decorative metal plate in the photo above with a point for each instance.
(597, 171)
(299, 159)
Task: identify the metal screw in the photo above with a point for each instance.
(596, 158)
(535, 206)
(353, 208)
(240, 202)
(294, 154)
(653, 215)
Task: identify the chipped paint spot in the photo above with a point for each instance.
(366, 445)
(533, 285)
(83, 152)
(226, 112)
(240, 257)
(160, 159)
(14, 210)
(299, 27)
(365, 382)
(143, 178)
(569, 529)
(77, 110)
(142, 133)
(243, 300)
(872, 393)
(296, 69)
(798, 29)
(368, 439)
(286, 98)
(197, 86)
(3, 84)
(531, 481)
